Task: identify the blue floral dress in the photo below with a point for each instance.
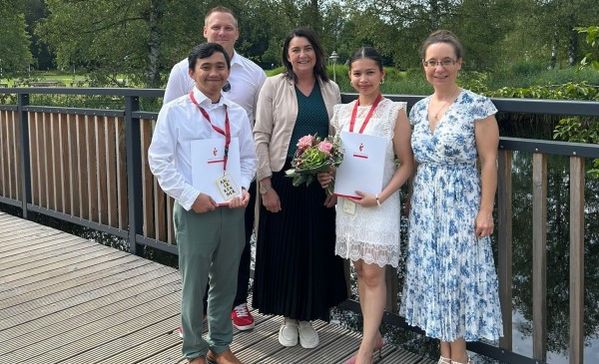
(451, 288)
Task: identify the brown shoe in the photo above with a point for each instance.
(198, 360)
(226, 357)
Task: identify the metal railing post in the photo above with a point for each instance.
(22, 101)
(134, 170)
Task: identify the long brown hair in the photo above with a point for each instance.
(320, 70)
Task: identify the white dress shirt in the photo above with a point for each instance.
(246, 79)
(180, 122)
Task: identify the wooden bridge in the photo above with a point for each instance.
(63, 299)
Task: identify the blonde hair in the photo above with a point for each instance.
(221, 9)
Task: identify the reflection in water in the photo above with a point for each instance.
(557, 259)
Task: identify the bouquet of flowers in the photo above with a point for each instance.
(313, 156)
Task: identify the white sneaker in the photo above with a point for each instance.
(308, 337)
(288, 332)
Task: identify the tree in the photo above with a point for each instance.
(555, 22)
(108, 38)
(15, 55)
(592, 40)
(36, 10)
(481, 27)
(263, 24)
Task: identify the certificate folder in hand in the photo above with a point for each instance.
(363, 164)
(207, 161)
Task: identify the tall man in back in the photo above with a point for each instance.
(245, 80)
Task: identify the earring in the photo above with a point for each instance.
(382, 80)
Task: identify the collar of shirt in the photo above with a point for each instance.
(236, 59)
(206, 103)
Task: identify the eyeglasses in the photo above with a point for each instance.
(227, 87)
(432, 63)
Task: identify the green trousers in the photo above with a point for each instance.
(210, 246)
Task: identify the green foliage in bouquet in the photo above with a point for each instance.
(313, 156)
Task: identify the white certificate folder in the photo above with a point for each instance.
(207, 161)
(362, 166)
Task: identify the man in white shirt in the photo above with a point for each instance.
(244, 83)
(210, 236)
(246, 77)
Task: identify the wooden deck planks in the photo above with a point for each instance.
(64, 299)
(97, 258)
(80, 271)
(64, 321)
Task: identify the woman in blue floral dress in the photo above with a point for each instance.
(451, 285)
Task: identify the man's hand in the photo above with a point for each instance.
(237, 202)
(203, 203)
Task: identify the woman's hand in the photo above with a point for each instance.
(330, 201)
(271, 201)
(366, 199)
(483, 225)
(325, 178)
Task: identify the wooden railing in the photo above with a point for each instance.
(89, 167)
(82, 163)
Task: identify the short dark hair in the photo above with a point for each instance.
(320, 70)
(443, 36)
(206, 50)
(221, 9)
(369, 53)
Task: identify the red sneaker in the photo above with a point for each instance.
(242, 318)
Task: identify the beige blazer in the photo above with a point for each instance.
(276, 112)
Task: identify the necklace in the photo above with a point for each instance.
(444, 105)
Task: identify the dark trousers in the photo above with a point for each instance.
(243, 276)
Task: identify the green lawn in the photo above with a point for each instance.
(410, 82)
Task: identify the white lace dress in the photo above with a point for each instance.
(371, 233)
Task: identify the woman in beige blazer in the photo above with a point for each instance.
(297, 274)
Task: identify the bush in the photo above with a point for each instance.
(526, 68)
(275, 71)
(567, 91)
(567, 75)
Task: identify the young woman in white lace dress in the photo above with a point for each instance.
(368, 233)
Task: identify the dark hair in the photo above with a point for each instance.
(221, 9)
(320, 70)
(369, 53)
(206, 50)
(443, 36)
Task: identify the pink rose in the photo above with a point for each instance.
(305, 142)
(325, 147)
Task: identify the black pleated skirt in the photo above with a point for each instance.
(297, 273)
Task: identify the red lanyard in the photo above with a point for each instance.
(226, 133)
(354, 112)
